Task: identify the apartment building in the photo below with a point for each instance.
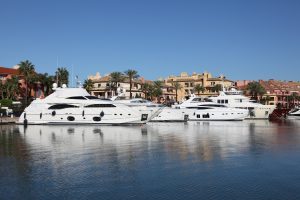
(280, 93)
(188, 82)
(103, 88)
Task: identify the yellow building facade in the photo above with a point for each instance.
(206, 80)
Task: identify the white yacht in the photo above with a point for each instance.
(198, 109)
(77, 106)
(141, 105)
(294, 114)
(235, 99)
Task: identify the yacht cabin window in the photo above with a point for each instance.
(62, 106)
(91, 97)
(99, 105)
(196, 100)
(76, 97)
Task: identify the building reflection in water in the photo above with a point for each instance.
(198, 140)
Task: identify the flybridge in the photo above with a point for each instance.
(233, 91)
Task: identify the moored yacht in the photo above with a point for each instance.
(198, 109)
(235, 99)
(77, 106)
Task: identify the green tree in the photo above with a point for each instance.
(2, 89)
(157, 91)
(177, 87)
(88, 85)
(199, 88)
(12, 87)
(256, 89)
(46, 81)
(115, 79)
(294, 96)
(147, 89)
(217, 88)
(62, 76)
(27, 70)
(131, 74)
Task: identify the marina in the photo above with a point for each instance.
(250, 159)
(150, 100)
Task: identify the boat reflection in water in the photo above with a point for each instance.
(189, 160)
(203, 140)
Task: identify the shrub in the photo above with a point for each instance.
(6, 102)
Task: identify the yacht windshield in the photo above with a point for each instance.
(91, 97)
(77, 97)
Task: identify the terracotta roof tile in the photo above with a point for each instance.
(10, 71)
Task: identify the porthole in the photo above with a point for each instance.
(70, 118)
(53, 113)
(97, 119)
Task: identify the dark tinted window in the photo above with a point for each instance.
(61, 106)
(99, 105)
(91, 97)
(77, 97)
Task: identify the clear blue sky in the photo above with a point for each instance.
(242, 39)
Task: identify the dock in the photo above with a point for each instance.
(8, 120)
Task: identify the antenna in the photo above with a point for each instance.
(72, 74)
(56, 69)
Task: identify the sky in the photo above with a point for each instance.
(242, 39)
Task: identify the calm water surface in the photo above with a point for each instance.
(197, 160)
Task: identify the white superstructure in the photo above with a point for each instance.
(77, 106)
(235, 99)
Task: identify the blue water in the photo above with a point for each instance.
(197, 160)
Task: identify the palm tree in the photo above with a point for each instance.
(27, 70)
(115, 79)
(199, 88)
(146, 89)
(62, 76)
(88, 85)
(131, 74)
(177, 87)
(46, 82)
(12, 87)
(157, 91)
(256, 89)
(2, 88)
(217, 88)
(294, 96)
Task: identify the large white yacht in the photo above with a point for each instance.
(77, 106)
(235, 99)
(198, 109)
